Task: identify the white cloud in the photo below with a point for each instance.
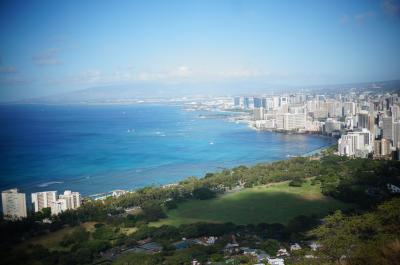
(178, 74)
(185, 73)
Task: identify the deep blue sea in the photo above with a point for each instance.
(93, 149)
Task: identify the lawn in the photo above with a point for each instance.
(276, 203)
(52, 240)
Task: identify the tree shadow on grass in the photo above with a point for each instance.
(257, 207)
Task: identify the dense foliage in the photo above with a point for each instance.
(356, 237)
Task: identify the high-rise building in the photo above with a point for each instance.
(236, 102)
(294, 121)
(332, 125)
(68, 200)
(279, 121)
(386, 150)
(330, 108)
(363, 120)
(283, 101)
(246, 103)
(349, 108)
(396, 134)
(356, 143)
(14, 204)
(58, 206)
(73, 199)
(257, 102)
(258, 114)
(387, 127)
(276, 102)
(347, 145)
(264, 103)
(395, 110)
(43, 199)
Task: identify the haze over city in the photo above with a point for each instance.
(52, 47)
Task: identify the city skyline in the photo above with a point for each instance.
(50, 48)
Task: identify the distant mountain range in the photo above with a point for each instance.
(154, 91)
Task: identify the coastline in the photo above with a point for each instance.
(105, 195)
(227, 145)
(101, 196)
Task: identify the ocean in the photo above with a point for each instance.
(99, 148)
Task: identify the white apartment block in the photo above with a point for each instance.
(349, 108)
(73, 199)
(66, 201)
(258, 114)
(332, 125)
(14, 204)
(58, 206)
(294, 121)
(43, 199)
(355, 143)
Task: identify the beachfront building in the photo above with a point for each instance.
(368, 123)
(14, 204)
(43, 199)
(258, 113)
(332, 125)
(73, 199)
(58, 206)
(356, 144)
(294, 121)
(66, 201)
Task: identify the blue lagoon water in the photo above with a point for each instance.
(93, 149)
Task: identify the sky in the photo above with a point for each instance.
(52, 47)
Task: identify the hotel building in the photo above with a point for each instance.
(14, 204)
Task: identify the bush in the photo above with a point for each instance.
(106, 233)
(271, 246)
(170, 205)
(96, 245)
(297, 183)
(77, 236)
(203, 193)
(152, 211)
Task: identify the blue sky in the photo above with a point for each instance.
(49, 47)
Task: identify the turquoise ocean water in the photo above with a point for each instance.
(94, 149)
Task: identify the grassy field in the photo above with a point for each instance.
(276, 203)
(52, 240)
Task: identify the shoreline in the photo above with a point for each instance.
(105, 195)
(101, 196)
(62, 183)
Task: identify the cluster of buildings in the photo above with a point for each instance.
(15, 205)
(366, 124)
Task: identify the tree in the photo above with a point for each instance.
(152, 211)
(271, 246)
(138, 259)
(96, 245)
(83, 256)
(203, 193)
(106, 232)
(335, 236)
